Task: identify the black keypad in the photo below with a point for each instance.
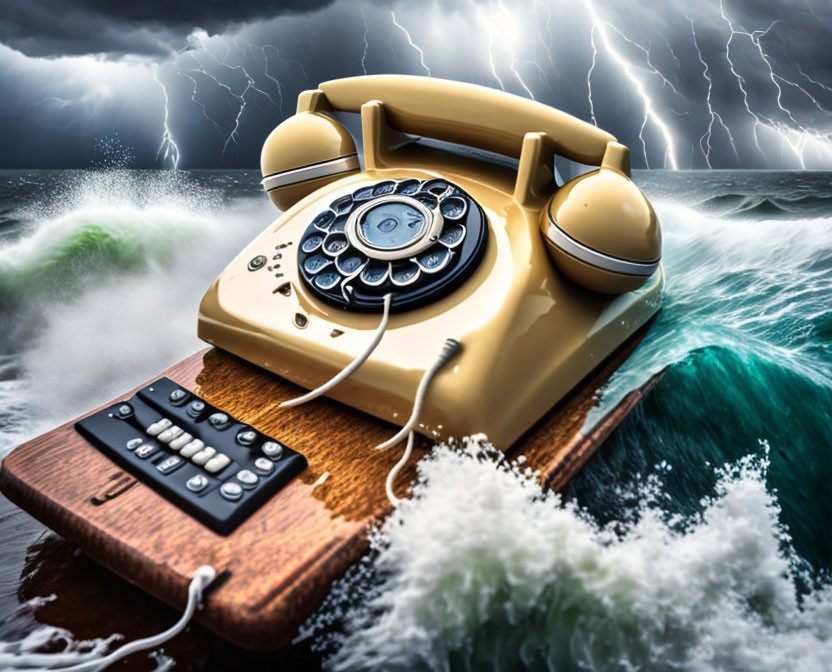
(212, 466)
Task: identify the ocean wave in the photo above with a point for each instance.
(766, 207)
(496, 574)
(102, 290)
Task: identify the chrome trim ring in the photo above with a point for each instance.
(429, 235)
(564, 242)
(343, 164)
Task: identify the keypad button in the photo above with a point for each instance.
(435, 259)
(452, 235)
(409, 186)
(324, 219)
(170, 434)
(248, 478)
(316, 263)
(453, 207)
(178, 397)
(204, 455)
(272, 449)
(327, 280)
(197, 483)
(217, 463)
(158, 427)
(312, 243)
(170, 464)
(231, 491)
(342, 205)
(145, 451)
(219, 420)
(132, 444)
(384, 188)
(192, 448)
(264, 465)
(195, 408)
(374, 273)
(404, 273)
(246, 437)
(124, 411)
(180, 441)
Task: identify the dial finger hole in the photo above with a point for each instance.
(335, 244)
(453, 207)
(362, 194)
(312, 242)
(435, 259)
(452, 234)
(384, 188)
(408, 187)
(316, 263)
(405, 273)
(435, 187)
(374, 273)
(428, 199)
(339, 225)
(327, 280)
(350, 263)
(342, 205)
(324, 220)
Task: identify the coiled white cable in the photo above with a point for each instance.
(449, 349)
(53, 661)
(348, 370)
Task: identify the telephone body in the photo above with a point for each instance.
(538, 282)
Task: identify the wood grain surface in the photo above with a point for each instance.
(283, 559)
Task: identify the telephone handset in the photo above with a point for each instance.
(435, 246)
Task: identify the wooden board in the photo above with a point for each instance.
(283, 559)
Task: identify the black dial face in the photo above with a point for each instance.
(416, 239)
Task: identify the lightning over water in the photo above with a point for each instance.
(707, 87)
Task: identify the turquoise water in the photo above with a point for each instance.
(697, 538)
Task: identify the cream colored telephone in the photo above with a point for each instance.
(369, 271)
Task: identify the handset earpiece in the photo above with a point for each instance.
(304, 153)
(601, 231)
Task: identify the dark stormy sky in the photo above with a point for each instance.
(200, 84)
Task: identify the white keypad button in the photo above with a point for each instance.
(197, 483)
(145, 451)
(191, 448)
(272, 450)
(264, 465)
(170, 434)
(248, 478)
(204, 455)
(158, 427)
(180, 441)
(231, 491)
(132, 444)
(217, 463)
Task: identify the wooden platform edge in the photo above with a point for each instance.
(556, 446)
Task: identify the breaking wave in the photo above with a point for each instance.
(484, 571)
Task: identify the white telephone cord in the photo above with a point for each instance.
(54, 661)
(449, 349)
(351, 368)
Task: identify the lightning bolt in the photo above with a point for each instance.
(589, 83)
(366, 43)
(625, 67)
(187, 75)
(411, 42)
(796, 138)
(168, 145)
(705, 140)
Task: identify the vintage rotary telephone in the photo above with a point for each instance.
(368, 272)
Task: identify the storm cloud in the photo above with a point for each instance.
(710, 84)
(61, 27)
